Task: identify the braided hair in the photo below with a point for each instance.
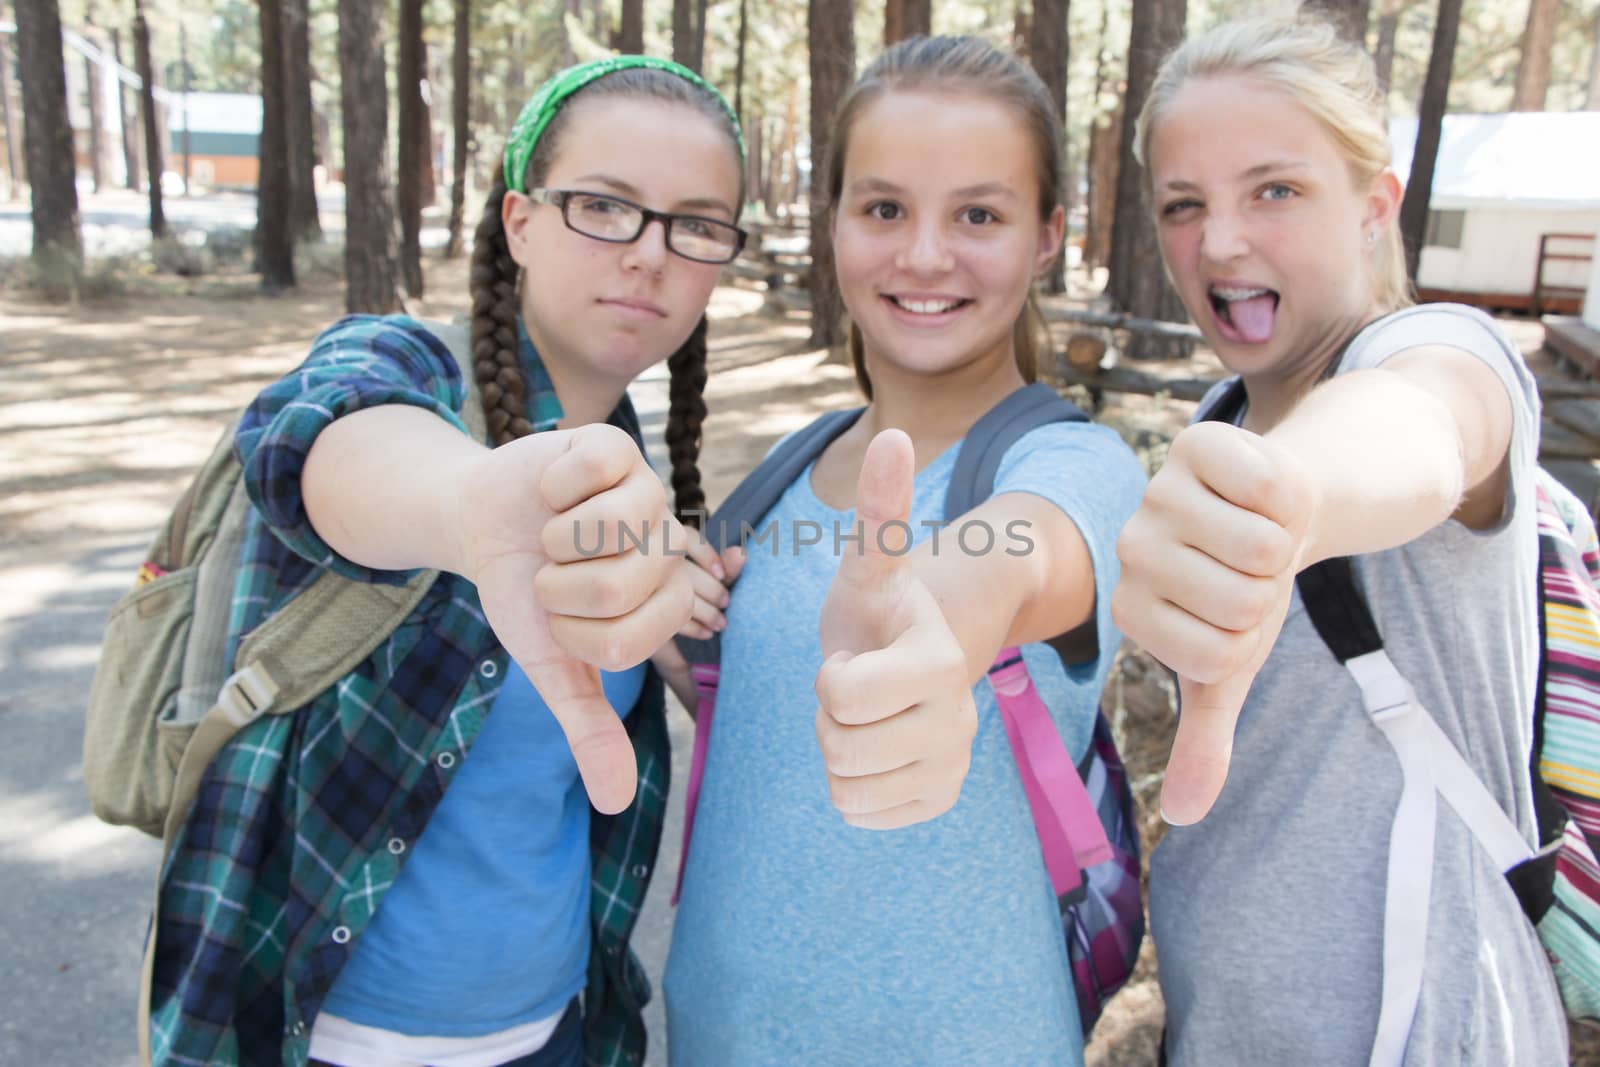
(495, 302)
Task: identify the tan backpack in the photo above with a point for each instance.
(164, 702)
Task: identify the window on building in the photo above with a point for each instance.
(1444, 229)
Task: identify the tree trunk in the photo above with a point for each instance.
(304, 222)
(689, 33)
(430, 174)
(408, 182)
(1533, 72)
(1101, 166)
(1047, 51)
(738, 63)
(1383, 52)
(1430, 121)
(1137, 283)
(13, 149)
(1104, 165)
(94, 90)
(906, 18)
(1349, 15)
(274, 244)
(129, 120)
(369, 251)
(47, 138)
(833, 65)
(155, 154)
(461, 119)
(1592, 100)
(630, 39)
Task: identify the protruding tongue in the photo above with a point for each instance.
(1253, 317)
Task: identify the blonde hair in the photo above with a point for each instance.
(973, 65)
(1330, 77)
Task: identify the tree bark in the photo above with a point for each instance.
(738, 63)
(408, 184)
(47, 139)
(689, 33)
(131, 157)
(371, 279)
(274, 245)
(1350, 16)
(1047, 51)
(1137, 283)
(461, 118)
(1383, 51)
(304, 221)
(1533, 72)
(906, 18)
(630, 39)
(94, 90)
(833, 65)
(1430, 121)
(1104, 165)
(155, 155)
(13, 149)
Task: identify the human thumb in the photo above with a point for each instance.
(1203, 747)
(883, 510)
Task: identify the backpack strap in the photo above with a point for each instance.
(305, 646)
(1431, 765)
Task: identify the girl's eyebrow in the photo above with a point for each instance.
(1260, 170)
(632, 192)
(982, 189)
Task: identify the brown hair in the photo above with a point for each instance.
(959, 64)
(495, 303)
(1332, 78)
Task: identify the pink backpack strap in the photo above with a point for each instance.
(705, 682)
(1070, 832)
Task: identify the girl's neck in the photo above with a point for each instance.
(936, 411)
(1275, 393)
(586, 396)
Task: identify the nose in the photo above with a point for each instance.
(649, 250)
(1222, 237)
(928, 251)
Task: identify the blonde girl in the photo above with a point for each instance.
(1404, 437)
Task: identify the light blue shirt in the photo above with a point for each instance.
(801, 939)
(486, 926)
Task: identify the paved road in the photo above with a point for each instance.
(76, 892)
(117, 223)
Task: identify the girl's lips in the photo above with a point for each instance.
(925, 319)
(1243, 314)
(635, 309)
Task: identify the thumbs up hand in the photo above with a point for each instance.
(1208, 568)
(895, 720)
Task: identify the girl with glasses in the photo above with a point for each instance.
(439, 860)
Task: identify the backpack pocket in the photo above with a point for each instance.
(130, 758)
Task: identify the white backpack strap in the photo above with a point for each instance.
(1431, 766)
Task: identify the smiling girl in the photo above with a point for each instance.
(1404, 437)
(864, 883)
(440, 859)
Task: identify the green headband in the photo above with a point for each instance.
(538, 112)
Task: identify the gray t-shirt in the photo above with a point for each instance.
(1268, 915)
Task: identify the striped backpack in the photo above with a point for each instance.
(1084, 815)
(1557, 884)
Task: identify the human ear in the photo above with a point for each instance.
(516, 211)
(1051, 233)
(1383, 201)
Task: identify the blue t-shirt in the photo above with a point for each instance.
(801, 939)
(486, 926)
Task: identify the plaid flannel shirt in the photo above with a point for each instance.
(305, 819)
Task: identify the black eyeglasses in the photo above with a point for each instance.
(619, 221)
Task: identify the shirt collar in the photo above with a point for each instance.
(544, 407)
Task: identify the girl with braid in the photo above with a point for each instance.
(439, 860)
